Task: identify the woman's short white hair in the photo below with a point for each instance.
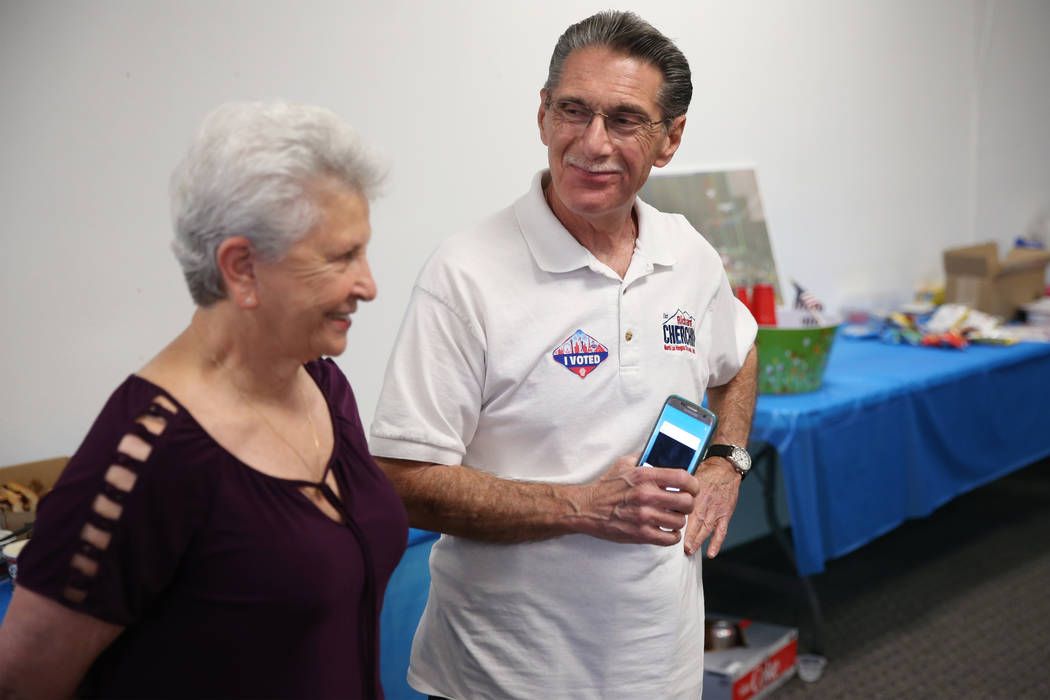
(248, 172)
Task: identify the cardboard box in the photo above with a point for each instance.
(764, 663)
(977, 278)
(36, 476)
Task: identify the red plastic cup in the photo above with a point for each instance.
(764, 304)
(741, 294)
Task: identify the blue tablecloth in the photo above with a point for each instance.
(6, 589)
(896, 431)
(406, 596)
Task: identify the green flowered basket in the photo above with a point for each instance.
(792, 356)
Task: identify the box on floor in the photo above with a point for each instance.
(765, 661)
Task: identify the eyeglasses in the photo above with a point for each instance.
(577, 116)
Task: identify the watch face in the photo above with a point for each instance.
(737, 456)
(742, 458)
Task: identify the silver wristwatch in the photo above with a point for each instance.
(736, 455)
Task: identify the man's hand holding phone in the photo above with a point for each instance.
(628, 504)
(646, 498)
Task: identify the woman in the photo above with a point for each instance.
(222, 530)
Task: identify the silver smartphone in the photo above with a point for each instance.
(680, 436)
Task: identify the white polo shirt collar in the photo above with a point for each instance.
(556, 250)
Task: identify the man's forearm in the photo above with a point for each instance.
(462, 501)
(624, 504)
(734, 403)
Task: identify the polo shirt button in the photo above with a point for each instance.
(627, 336)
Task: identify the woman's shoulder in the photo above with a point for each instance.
(143, 446)
(138, 418)
(135, 401)
(133, 491)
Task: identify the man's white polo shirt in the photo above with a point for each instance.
(523, 355)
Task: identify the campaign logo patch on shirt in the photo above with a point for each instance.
(580, 353)
(679, 332)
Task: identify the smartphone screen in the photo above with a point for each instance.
(680, 436)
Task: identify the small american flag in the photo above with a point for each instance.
(806, 300)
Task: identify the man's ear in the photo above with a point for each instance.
(540, 115)
(236, 261)
(671, 142)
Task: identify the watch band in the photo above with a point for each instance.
(737, 456)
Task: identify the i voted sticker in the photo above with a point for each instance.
(580, 354)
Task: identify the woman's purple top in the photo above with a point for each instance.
(230, 583)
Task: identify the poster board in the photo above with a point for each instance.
(724, 204)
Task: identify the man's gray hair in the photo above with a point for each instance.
(249, 172)
(627, 33)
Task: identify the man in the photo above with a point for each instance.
(530, 365)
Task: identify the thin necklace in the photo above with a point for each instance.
(313, 430)
(302, 397)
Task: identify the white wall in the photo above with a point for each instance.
(872, 125)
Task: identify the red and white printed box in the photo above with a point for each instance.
(766, 661)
